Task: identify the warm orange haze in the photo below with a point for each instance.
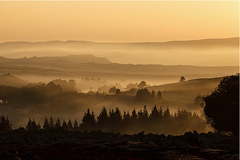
(107, 79)
(125, 22)
(156, 21)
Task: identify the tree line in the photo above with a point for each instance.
(157, 121)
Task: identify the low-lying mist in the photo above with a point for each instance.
(65, 99)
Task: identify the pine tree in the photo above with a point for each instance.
(103, 120)
(5, 124)
(51, 123)
(32, 126)
(155, 115)
(58, 124)
(153, 94)
(134, 114)
(75, 126)
(166, 114)
(38, 126)
(145, 113)
(126, 117)
(126, 122)
(70, 126)
(115, 120)
(28, 127)
(64, 125)
(88, 121)
(46, 125)
(159, 95)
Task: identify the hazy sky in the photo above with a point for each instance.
(118, 21)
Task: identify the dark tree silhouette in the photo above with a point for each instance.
(126, 117)
(222, 106)
(103, 120)
(182, 79)
(118, 91)
(46, 125)
(166, 114)
(126, 121)
(142, 85)
(51, 123)
(88, 122)
(32, 126)
(70, 126)
(112, 90)
(5, 124)
(58, 124)
(115, 120)
(153, 94)
(143, 118)
(75, 126)
(143, 94)
(64, 125)
(155, 115)
(156, 122)
(159, 95)
(198, 100)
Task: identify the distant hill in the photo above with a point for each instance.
(10, 80)
(81, 45)
(213, 52)
(82, 66)
(187, 90)
(39, 61)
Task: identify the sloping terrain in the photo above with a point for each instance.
(187, 90)
(206, 52)
(81, 66)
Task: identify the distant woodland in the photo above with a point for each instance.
(64, 101)
(156, 121)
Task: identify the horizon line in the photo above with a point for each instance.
(117, 42)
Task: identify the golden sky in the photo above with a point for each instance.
(107, 21)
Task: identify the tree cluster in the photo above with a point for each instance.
(144, 94)
(222, 106)
(157, 121)
(5, 125)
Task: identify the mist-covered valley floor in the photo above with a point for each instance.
(135, 108)
(64, 99)
(65, 86)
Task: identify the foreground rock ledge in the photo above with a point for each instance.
(41, 145)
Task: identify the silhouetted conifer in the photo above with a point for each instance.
(88, 122)
(115, 120)
(64, 125)
(32, 126)
(126, 117)
(103, 120)
(46, 123)
(70, 126)
(166, 114)
(155, 115)
(51, 122)
(75, 126)
(58, 124)
(134, 114)
(5, 124)
(153, 94)
(159, 95)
